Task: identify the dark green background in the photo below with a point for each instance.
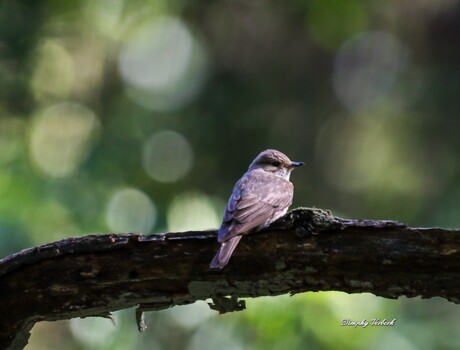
(117, 115)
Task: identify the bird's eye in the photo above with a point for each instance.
(276, 163)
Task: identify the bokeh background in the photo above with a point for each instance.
(123, 116)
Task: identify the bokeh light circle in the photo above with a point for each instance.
(61, 137)
(192, 211)
(167, 156)
(130, 210)
(162, 64)
(366, 68)
(54, 71)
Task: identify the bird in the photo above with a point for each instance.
(262, 195)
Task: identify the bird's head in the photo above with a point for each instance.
(275, 162)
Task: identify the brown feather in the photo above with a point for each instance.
(260, 197)
(254, 204)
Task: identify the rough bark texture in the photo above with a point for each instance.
(307, 250)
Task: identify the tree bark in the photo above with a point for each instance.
(307, 250)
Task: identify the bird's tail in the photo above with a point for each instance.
(224, 253)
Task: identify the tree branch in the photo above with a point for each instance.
(97, 274)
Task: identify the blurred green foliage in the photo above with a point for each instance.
(118, 115)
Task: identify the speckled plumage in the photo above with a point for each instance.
(260, 197)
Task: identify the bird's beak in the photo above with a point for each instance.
(296, 164)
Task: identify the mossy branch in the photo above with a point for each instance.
(307, 250)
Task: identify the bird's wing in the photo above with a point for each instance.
(254, 203)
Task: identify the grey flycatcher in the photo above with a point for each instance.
(260, 197)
